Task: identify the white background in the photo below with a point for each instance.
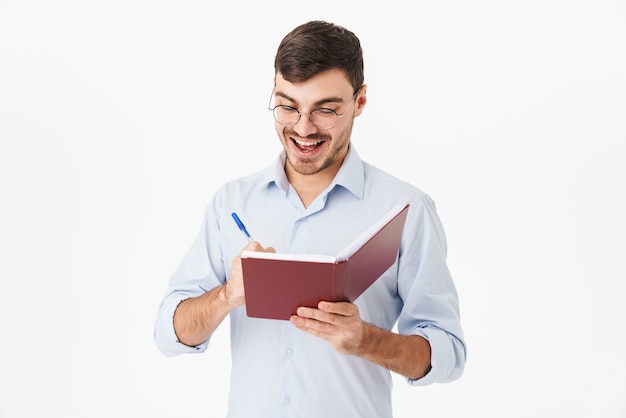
(119, 119)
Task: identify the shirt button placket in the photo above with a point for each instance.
(289, 386)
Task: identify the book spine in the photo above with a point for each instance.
(340, 281)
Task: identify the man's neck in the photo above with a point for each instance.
(310, 186)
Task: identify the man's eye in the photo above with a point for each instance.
(287, 109)
(324, 112)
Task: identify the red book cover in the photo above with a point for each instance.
(277, 284)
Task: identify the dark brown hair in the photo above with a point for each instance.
(318, 46)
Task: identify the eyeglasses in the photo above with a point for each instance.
(322, 118)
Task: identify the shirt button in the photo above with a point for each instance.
(287, 401)
(290, 353)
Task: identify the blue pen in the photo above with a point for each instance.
(241, 226)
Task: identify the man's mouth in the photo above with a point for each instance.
(307, 146)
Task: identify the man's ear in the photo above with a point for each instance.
(361, 100)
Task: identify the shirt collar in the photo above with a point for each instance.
(351, 175)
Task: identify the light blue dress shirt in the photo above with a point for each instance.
(280, 371)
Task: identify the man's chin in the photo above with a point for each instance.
(305, 168)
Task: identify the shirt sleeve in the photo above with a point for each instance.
(200, 270)
(431, 305)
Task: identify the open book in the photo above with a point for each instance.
(276, 284)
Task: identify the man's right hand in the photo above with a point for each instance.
(195, 319)
(233, 291)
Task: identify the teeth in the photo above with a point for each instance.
(307, 144)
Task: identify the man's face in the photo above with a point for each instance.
(310, 149)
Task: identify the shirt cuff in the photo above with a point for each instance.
(164, 336)
(447, 357)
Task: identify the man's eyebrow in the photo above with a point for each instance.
(318, 103)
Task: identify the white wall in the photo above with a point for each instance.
(117, 124)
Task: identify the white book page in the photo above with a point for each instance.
(369, 233)
(317, 258)
(343, 254)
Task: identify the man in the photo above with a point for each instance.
(333, 360)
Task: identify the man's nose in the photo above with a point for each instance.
(305, 127)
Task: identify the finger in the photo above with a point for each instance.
(339, 308)
(253, 246)
(311, 325)
(320, 320)
(305, 312)
(256, 246)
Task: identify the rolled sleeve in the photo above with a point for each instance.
(447, 358)
(431, 306)
(164, 335)
(199, 271)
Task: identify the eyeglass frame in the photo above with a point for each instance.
(338, 115)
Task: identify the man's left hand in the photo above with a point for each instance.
(339, 323)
